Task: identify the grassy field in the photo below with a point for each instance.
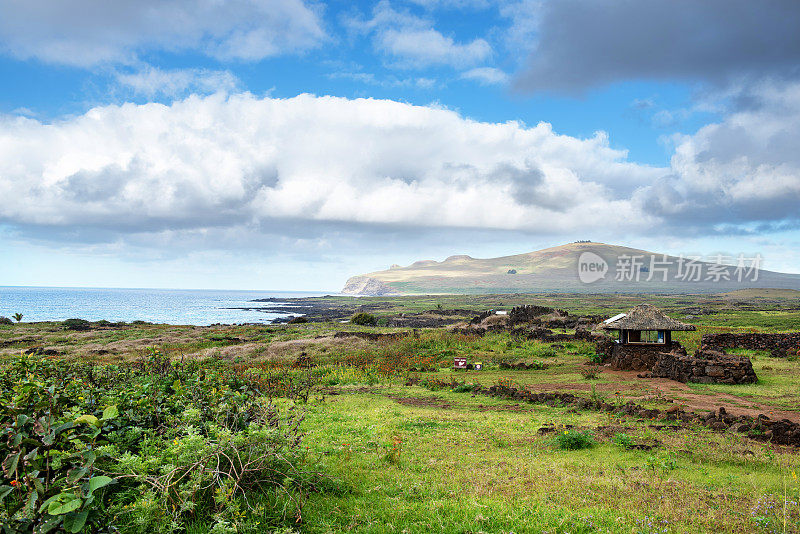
(401, 453)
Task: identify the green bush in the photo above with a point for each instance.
(596, 358)
(623, 440)
(573, 440)
(363, 319)
(298, 320)
(76, 324)
(148, 447)
(5, 321)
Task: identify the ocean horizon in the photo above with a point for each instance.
(198, 307)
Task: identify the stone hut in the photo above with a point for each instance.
(644, 333)
(645, 344)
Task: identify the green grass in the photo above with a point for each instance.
(477, 467)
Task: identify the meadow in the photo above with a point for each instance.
(308, 427)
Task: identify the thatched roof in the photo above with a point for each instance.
(646, 317)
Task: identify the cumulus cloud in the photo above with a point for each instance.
(222, 165)
(89, 32)
(152, 81)
(231, 161)
(741, 172)
(414, 42)
(586, 43)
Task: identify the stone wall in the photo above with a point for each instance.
(778, 344)
(705, 367)
(625, 357)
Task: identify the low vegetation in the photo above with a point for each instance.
(326, 427)
(155, 446)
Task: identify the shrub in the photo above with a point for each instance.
(573, 440)
(149, 447)
(76, 324)
(596, 396)
(298, 320)
(49, 476)
(364, 319)
(596, 358)
(590, 373)
(623, 440)
(5, 320)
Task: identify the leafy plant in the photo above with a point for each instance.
(49, 475)
(18, 317)
(148, 447)
(624, 440)
(596, 358)
(590, 373)
(572, 440)
(596, 396)
(5, 321)
(665, 463)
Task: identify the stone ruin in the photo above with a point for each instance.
(706, 366)
(533, 322)
(624, 357)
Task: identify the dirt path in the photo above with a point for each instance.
(678, 392)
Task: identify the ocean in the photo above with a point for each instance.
(170, 306)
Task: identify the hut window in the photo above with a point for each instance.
(646, 336)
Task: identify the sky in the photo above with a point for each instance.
(290, 144)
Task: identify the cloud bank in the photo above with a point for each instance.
(216, 163)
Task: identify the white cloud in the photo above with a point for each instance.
(89, 32)
(429, 47)
(229, 168)
(246, 162)
(486, 75)
(744, 170)
(152, 81)
(414, 42)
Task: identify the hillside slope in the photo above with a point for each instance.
(556, 270)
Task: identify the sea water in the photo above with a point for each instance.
(171, 306)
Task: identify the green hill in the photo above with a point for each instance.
(555, 269)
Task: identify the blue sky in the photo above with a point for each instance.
(290, 144)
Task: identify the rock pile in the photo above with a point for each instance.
(706, 366)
